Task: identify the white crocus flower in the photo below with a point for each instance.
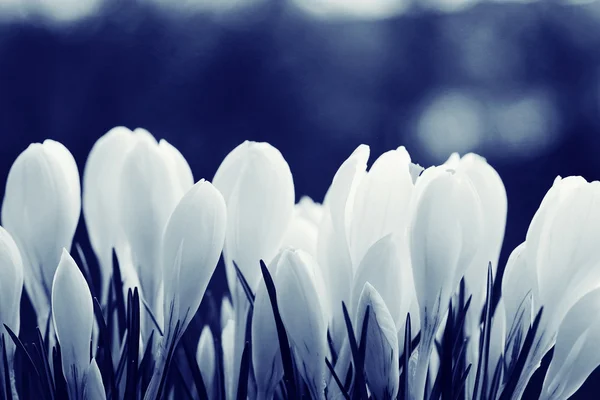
(520, 298)
(333, 253)
(576, 354)
(381, 268)
(302, 315)
(382, 367)
(266, 353)
(101, 178)
(227, 312)
(11, 288)
(72, 302)
(154, 177)
(494, 203)
(40, 210)
(230, 374)
(93, 388)
(445, 234)
(191, 247)
(303, 231)
(258, 188)
(206, 357)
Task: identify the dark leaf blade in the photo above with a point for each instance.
(284, 345)
(484, 344)
(104, 340)
(22, 348)
(406, 357)
(247, 289)
(119, 297)
(337, 380)
(133, 343)
(360, 387)
(59, 378)
(195, 370)
(242, 392)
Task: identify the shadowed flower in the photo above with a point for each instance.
(205, 356)
(445, 234)
(40, 210)
(73, 315)
(381, 356)
(576, 354)
(299, 304)
(93, 388)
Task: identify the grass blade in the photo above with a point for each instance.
(107, 361)
(360, 387)
(245, 285)
(337, 380)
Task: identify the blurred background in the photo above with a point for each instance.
(515, 81)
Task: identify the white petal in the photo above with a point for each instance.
(227, 312)
(309, 209)
(382, 201)
(382, 368)
(206, 359)
(576, 354)
(301, 234)
(266, 356)
(178, 166)
(72, 301)
(257, 186)
(11, 281)
(40, 209)
(227, 340)
(93, 388)
(100, 186)
(382, 269)
(302, 316)
(197, 225)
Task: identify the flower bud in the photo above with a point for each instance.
(266, 354)
(257, 185)
(445, 234)
(382, 367)
(227, 341)
(197, 226)
(227, 312)
(11, 281)
(93, 388)
(562, 246)
(382, 269)
(206, 359)
(154, 177)
(333, 253)
(72, 302)
(302, 315)
(381, 203)
(100, 195)
(576, 354)
(302, 233)
(40, 210)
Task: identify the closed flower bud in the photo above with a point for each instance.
(206, 357)
(73, 315)
(227, 341)
(576, 354)
(303, 230)
(381, 204)
(445, 234)
(40, 210)
(100, 195)
(562, 244)
(333, 253)
(11, 281)
(266, 355)
(197, 227)
(227, 312)
(302, 315)
(382, 269)
(520, 297)
(382, 367)
(93, 388)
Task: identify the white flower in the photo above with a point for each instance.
(73, 315)
(382, 269)
(381, 204)
(227, 312)
(302, 315)
(257, 185)
(101, 178)
(93, 388)
(197, 227)
(519, 295)
(445, 234)
(206, 359)
(562, 246)
(303, 230)
(333, 253)
(40, 210)
(11, 281)
(576, 354)
(154, 177)
(227, 341)
(266, 354)
(382, 367)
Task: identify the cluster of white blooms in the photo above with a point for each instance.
(390, 244)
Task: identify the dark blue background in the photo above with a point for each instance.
(309, 87)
